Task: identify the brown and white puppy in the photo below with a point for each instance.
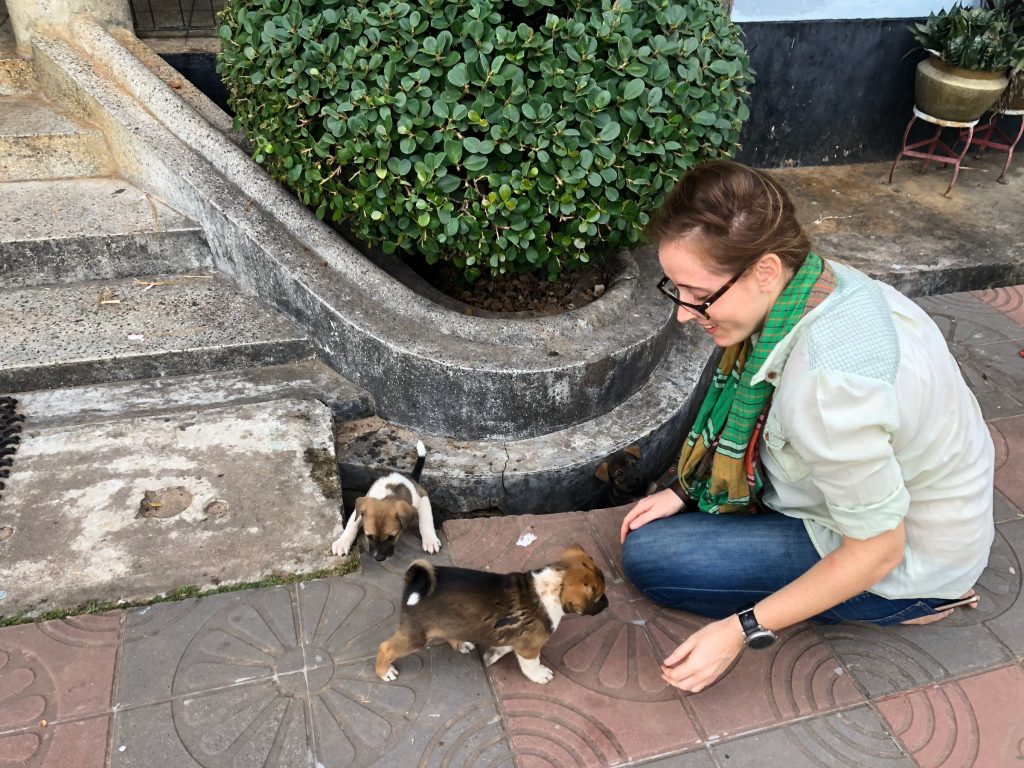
(386, 510)
(499, 612)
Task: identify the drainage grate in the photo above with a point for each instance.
(176, 18)
(10, 435)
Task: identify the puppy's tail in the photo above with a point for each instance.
(420, 581)
(421, 459)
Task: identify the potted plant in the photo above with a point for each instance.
(1013, 97)
(972, 51)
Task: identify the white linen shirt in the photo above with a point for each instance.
(872, 423)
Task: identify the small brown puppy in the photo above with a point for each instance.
(387, 509)
(625, 477)
(500, 612)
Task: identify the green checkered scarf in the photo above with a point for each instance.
(718, 467)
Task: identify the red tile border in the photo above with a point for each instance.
(77, 744)
(1009, 301)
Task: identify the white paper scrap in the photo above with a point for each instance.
(526, 539)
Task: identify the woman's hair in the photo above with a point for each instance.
(737, 214)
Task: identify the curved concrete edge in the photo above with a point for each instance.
(550, 473)
(236, 166)
(425, 371)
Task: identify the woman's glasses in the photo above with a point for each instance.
(700, 310)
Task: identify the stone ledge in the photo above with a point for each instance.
(465, 376)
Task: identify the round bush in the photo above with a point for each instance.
(498, 135)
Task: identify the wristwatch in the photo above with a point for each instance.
(754, 635)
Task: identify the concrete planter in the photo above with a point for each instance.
(953, 93)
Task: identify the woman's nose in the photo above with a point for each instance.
(684, 315)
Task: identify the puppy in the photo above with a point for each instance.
(392, 502)
(625, 477)
(500, 612)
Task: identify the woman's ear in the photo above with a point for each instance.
(769, 271)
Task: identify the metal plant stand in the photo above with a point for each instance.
(983, 138)
(937, 150)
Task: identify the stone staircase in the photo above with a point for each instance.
(178, 431)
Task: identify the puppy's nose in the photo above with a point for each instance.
(380, 557)
(599, 606)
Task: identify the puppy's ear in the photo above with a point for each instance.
(632, 450)
(575, 552)
(406, 513)
(360, 508)
(602, 472)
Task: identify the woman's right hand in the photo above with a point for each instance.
(654, 507)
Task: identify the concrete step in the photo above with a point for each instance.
(244, 491)
(69, 230)
(547, 473)
(119, 330)
(170, 395)
(38, 142)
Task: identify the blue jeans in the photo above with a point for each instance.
(713, 565)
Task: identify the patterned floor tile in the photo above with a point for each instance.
(492, 543)
(885, 660)
(1004, 510)
(854, 738)
(184, 647)
(606, 524)
(995, 374)
(797, 676)
(974, 722)
(58, 670)
(261, 723)
(77, 744)
(1008, 625)
(607, 699)
(966, 318)
(1009, 301)
(1008, 435)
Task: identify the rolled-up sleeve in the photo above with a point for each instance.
(841, 427)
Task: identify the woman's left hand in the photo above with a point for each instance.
(705, 655)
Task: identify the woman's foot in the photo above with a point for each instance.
(940, 616)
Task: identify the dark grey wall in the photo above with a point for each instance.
(828, 91)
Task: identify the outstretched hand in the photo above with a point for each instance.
(705, 655)
(661, 504)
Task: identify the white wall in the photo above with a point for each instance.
(798, 10)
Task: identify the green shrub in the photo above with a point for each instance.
(981, 39)
(499, 135)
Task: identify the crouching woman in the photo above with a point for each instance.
(837, 413)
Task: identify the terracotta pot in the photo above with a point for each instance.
(952, 93)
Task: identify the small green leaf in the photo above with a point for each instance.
(633, 89)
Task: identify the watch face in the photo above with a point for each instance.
(761, 639)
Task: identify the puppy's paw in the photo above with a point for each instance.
(391, 674)
(340, 547)
(431, 543)
(493, 654)
(539, 674)
(465, 647)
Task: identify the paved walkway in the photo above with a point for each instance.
(284, 676)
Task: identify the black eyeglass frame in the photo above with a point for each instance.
(700, 310)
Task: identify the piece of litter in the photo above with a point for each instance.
(42, 723)
(136, 337)
(839, 670)
(122, 748)
(1011, 570)
(526, 539)
(2, 594)
(639, 622)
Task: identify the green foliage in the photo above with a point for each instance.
(499, 135)
(983, 39)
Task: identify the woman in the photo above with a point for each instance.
(837, 413)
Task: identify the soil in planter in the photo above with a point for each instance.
(530, 293)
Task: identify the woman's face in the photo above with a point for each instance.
(741, 310)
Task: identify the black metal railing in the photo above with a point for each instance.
(175, 18)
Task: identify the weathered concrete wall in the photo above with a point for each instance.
(26, 15)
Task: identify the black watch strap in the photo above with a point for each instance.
(754, 635)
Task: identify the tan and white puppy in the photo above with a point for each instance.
(386, 510)
(499, 612)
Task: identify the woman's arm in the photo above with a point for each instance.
(856, 565)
